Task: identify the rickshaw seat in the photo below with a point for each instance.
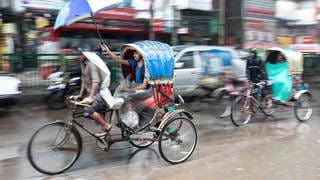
(159, 68)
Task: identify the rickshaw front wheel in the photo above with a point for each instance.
(241, 111)
(303, 108)
(177, 140)
(54, 148)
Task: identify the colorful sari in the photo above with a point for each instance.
(281, 80)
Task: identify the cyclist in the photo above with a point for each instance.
(92, 77)
(256, 73)
(255, 67)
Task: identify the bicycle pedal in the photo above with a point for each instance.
(103, 143)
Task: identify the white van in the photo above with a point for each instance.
(189, 67)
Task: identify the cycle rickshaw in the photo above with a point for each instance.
(56, 146)
(284, 68)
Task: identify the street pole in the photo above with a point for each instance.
(151, 22)
(174, 35)
(222, 22)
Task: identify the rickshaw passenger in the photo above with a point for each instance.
(140, 82)
(278, 72)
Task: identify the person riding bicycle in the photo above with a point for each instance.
(91, 80)
(257, 73)
(255, 67)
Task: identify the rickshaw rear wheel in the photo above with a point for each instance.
(178, 139)
(302, 108)
(240, 112)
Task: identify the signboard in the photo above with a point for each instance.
(318, 10)
(41, 4)
(305, 40)
(289, 12)
(306, 47)
(214, 26)
(284, 41)
(4, 3)
(203, 5)
(8, 28)
(264, 9)
(41, 22)
(259, 24)
(117, 13)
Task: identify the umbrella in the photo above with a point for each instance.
(76, 10)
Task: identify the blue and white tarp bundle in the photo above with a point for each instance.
(216, 61)
(158, 59)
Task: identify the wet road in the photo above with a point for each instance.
(280, 148)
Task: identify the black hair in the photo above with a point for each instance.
(272, 57)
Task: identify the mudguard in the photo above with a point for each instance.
(216, 93)
(299, 93)
(170, 115)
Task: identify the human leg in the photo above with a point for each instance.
(98, 105)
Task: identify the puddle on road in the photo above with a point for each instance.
(8, 153)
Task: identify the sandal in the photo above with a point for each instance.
(269, 104)
(104, 132)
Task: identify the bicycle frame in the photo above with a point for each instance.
(158, 119)
(248, 94)
(125, 130)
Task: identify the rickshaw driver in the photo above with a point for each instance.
(255, 67)
(92, 78)
(140, 81)
(256, 73)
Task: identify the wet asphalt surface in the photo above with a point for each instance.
(272, 148)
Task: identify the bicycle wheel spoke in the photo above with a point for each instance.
(178, 140)
(241, 111)
(67, 149)
(142, 140)
(303, 109)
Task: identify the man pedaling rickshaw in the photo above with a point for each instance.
(256, 73)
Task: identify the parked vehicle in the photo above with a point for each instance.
(62, 84)
(9, 90)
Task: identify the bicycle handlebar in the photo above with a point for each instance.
(74, 101)
(263, 83)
